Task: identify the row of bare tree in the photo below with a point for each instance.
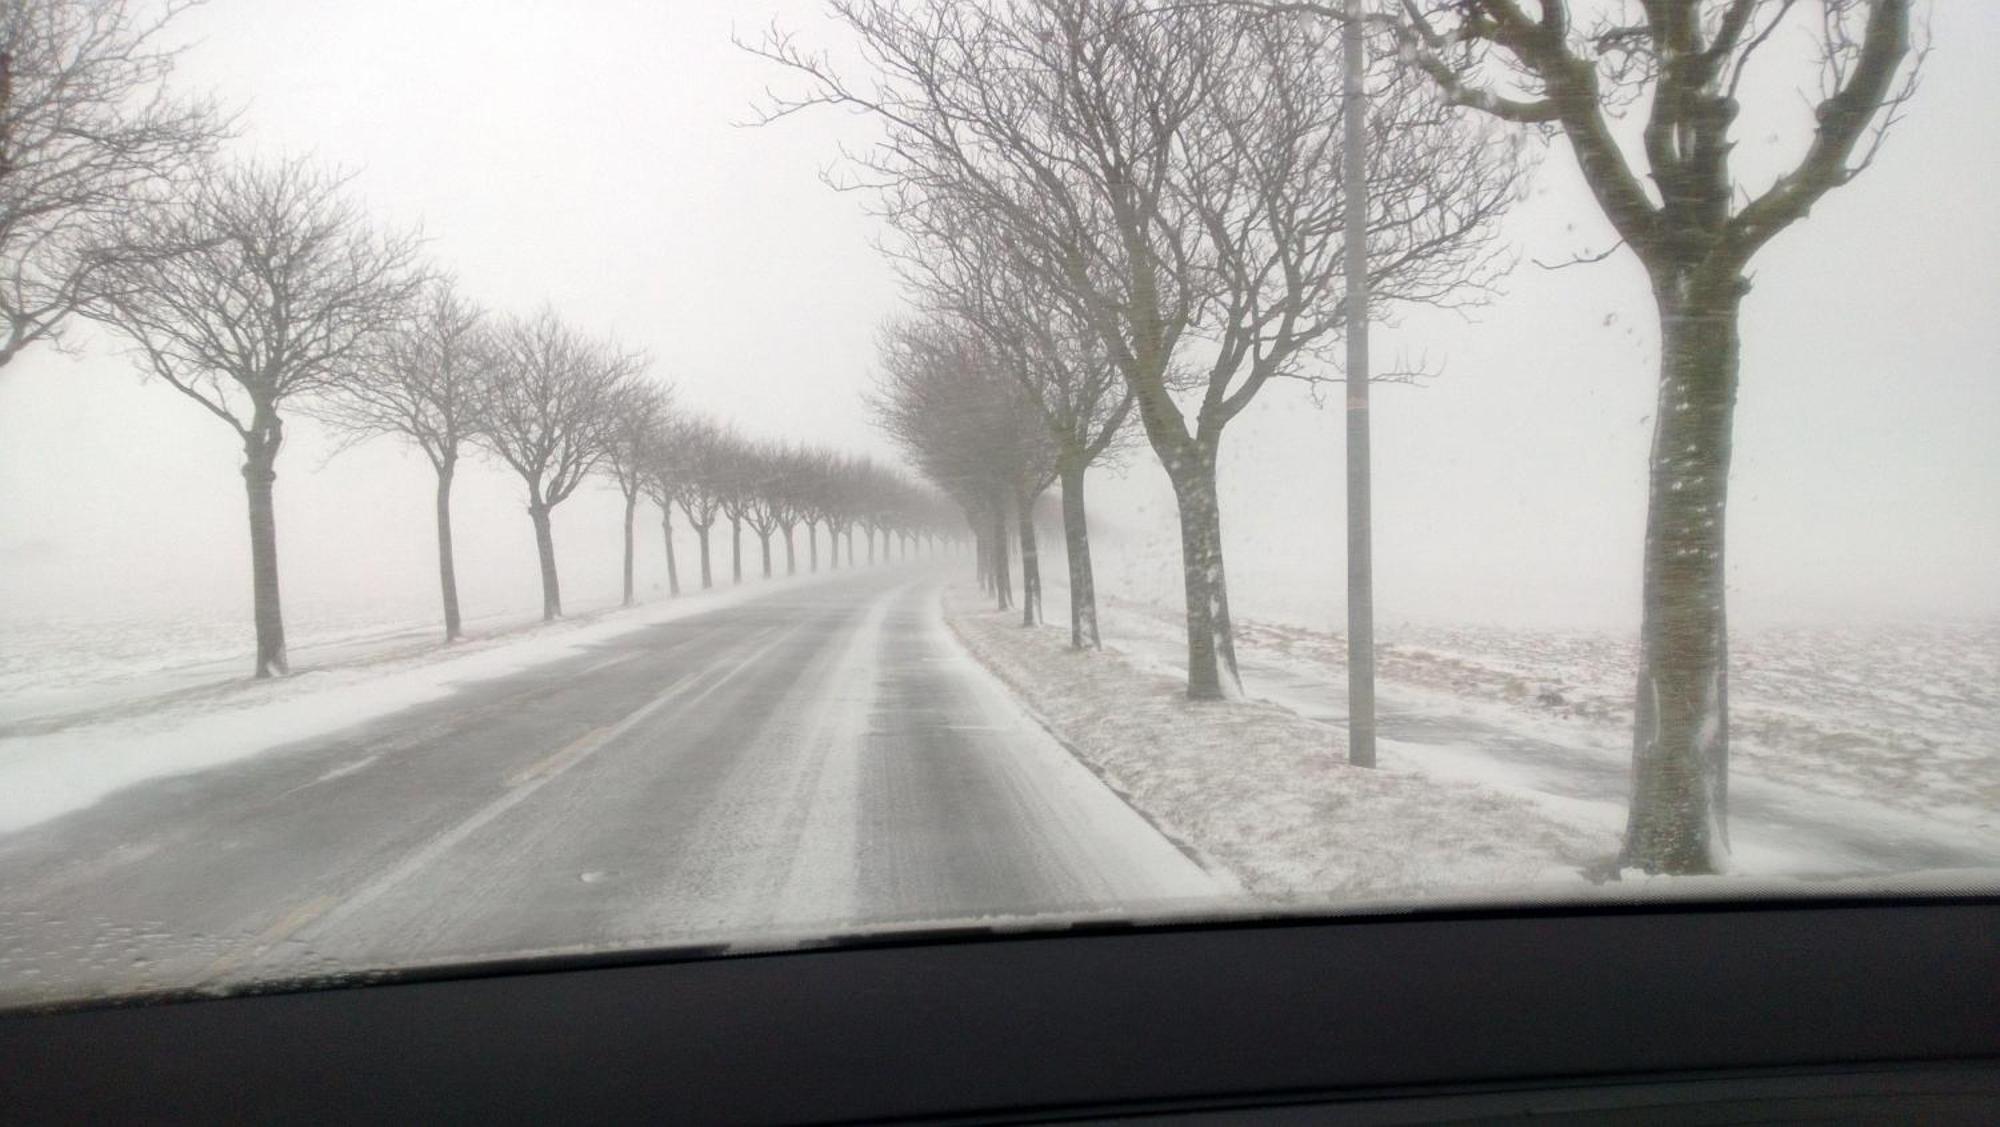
(263, 291)
(1113, 205)
(1107, 210)
(775, 490)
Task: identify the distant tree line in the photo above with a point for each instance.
(262, 292)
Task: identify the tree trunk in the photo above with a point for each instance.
(1680, 742)
(259, 475)
(850, 547)
(1031, 561)
(736, 549)
(667, 534)
(791, 552)
(1076, 545)
(1210, 639)
(1003, 581)
(812, 543)
(545, 551)
(764, 547)
(631, 510)
(868, 534)
(447, 568)
(707, 576)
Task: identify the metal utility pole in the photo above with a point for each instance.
(1360, 561)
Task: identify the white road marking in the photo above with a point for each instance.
(609, 662)
(339, 772)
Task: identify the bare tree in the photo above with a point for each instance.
(661, 477)
(789, 498)
(88, 137)
(264, 287)
(418, 383)
(696, 461)
(941, 395)
(810, 492)
(761, 470)
(1058, 363)
(731, 470)
(1174, 173)
(547, 408)
(1676, 202)
(632, 451)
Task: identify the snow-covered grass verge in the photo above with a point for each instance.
(1539, 716)
(1906, 716)
(50, 772)
(1266, 793)
(1901, 719)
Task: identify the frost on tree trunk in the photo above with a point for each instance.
(545, 551)
(707, 574)
(1076, 546)
(447, 568)
(1211, 646)
(996, 543)
(631, 510)
(259, 476)
(1031, 561)
(1680, 753)
(736, 549)
(667, 536)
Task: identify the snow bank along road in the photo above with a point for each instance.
(819, 756)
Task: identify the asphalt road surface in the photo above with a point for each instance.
(816, 757)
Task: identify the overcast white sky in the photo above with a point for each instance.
(584, 153)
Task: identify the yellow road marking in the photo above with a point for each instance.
(283, 928)
(562, 758)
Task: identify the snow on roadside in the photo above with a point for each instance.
(49, 773)
(1268, 793)
(1898, 719)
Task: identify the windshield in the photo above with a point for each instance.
(489, 481)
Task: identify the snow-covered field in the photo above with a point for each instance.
(1853, 751)
(1907, 716)
(56, 669)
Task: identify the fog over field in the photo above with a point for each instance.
(592, 155)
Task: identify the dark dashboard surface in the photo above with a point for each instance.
(1852, 1011)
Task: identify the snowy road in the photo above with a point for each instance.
(822, 755)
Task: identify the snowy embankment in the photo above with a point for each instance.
(1267, 793)
(67, 763)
